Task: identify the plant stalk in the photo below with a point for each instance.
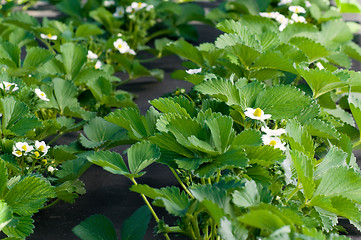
(181, 183)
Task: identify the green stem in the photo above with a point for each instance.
(194, 220)
(150, 208)
(218, 176)
(293, 193)
(55, 138)
(203, 181)
(181, 183)
(50, 205)
(157, 34)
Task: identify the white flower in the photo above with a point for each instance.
(149, 7)
(129, 9)
(7, 86)
(283, 2)
(308, 4)
(119, 12)
(194, 71)
(98, 65)
(282, 26)
(108, 3)
(272, 132)
(41, 95)
(51, 169)
(22, 148)
(257, 114)
(138, 5)
(269, 14)
(123, 46)
(297, 9)
(42, 147)
(297, 18)
(281, 19)
(91, 55)
(320, 66)
(48, 36)
(273, 141)
(132, 52)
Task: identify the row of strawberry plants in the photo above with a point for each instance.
(57, 90)
(262, 145)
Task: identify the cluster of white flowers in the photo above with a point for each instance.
(123, 47)
(41, 95)
(7, 86)
(48, 36)
(134, 7)
(284, 21)
(39, 149)
(92, 57)
(271, 137)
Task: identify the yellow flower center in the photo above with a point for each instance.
(139, 4)
(42, 94)
(9, 85)
(44, 161)
(37, 154)
(49, 35)
(24, 147)
(18, 152)
(41, 148)
(257, 112)
(120, 46)
(273, 143)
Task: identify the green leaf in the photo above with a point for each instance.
(110, 161)
(13, 111)
(135, 226)
(100, 132)
(175, 201)
(340, 181)
(298, 30)
(232, 230)
(222, 89)
(36, 57)
(305, 170)
(299, 138)
(23, 20)
(20, 227)
(249, 93)
(141, 155)
(349, 6)
(10, 52)
(248, 196)
(248, 137)
(335, 32)
(263, 219)
(88, 30)
(72, 8)
(106, 18)
(24, 125)
(28, 195)
(355, 106)
(335, 157)
(6, 214)
(65, 93)
(222, 132)
(169, 105)
(74, 57)
(169, 142)
(234, 158)
(244, 56)
(319, 128)
(3, 177)
(264, 154)
(274, 60)
(311, 48)
(130, 119)
(279, 101)
(147, 191)
(96, 227)
(186, 50)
